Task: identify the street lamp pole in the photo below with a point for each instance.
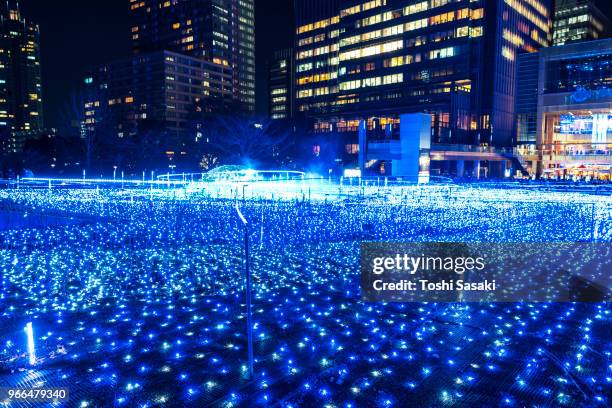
(247, 271)
(243, 192)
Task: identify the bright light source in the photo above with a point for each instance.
(30, 335)
(352, 173)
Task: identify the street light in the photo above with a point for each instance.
(243, 191)
(247, 272)
(114, 173)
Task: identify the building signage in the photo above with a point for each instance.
(582, 94)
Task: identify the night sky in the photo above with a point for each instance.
(78, 35)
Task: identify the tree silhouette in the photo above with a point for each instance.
(245, 140)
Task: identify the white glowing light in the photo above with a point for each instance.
(352, 173)
(30, 335)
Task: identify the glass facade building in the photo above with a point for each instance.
(564, 109)
(21, 110)
(219, 31)
(578, 20)
(454, 59)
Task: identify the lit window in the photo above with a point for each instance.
(507, 53)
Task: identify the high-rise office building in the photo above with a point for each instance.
(455, 59)
(280, 85)
(163, 90)
(578, 20)
(219, 31)
(20, 78)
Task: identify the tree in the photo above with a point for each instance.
(208, 162)
(38, 153)
(245, 140)
(11, 165)
(51, 152)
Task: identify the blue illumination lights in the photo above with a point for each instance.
(136, 297)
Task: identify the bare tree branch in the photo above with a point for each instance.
(239, 140)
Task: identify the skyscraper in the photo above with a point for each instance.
(454, 59)
(280, 85)
(578, 20)
(20, 79)
(219, 31)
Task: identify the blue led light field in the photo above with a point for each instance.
(136, 298)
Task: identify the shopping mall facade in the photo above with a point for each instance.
(564, 111)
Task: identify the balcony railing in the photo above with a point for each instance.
(471, 148)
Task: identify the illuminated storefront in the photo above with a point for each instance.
(565, 128)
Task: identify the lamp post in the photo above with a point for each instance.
(114, 173)
(247, 272)
(243, 191)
